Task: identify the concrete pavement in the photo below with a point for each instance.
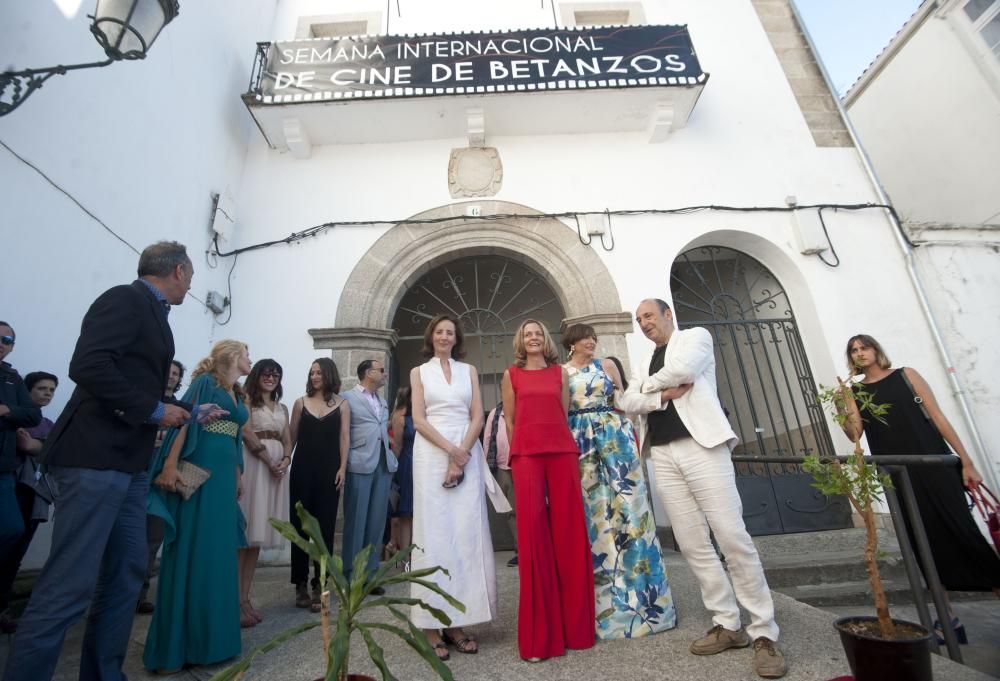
(811, 646)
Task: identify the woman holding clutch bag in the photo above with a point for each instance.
(197, 616)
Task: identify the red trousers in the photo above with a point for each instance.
(554, 562)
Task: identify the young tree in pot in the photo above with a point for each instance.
(863, 485)
(354, 597)
(857, 480)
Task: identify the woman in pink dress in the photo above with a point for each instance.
(267, 449)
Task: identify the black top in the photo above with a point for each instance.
(906, 430)
(964, 561)
(120, 366)
(665, 425)
(317, 451)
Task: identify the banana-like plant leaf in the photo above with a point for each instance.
(431, 586)
(383, 570)
(417, 640)
(352, 596)
(311, 527)
(289, 532)
(438, 614)
(236, 671)
(376, 653)
(340, 647)
(415, 574)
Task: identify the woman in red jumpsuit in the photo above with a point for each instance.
(557, 579)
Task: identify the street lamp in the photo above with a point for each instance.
(125, 29)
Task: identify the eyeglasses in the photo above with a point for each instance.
(7, 340)
(270, 374)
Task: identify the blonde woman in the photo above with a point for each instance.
(554, 564)
(197, 616)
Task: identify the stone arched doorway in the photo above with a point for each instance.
(490, 295)
(400, 258)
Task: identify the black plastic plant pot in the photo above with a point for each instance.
(907, 658)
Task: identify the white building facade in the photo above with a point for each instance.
(721, 179)
(935, 152)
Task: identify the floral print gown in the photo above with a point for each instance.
(632, 592)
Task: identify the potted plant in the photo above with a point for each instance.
(354, 597)
(878, 648)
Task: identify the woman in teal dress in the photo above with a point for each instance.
(197, 615)
(632, 592)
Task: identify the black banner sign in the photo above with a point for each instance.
(474, 63)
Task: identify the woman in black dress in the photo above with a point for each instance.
(320, 431)
(963, 558)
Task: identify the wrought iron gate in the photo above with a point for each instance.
(490, 295)
(765, 384)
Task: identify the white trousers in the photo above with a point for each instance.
(697, 487)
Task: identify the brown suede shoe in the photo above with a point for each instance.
(768, 661)
(718, 639)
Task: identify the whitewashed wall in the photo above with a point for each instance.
(145, 145)
(930, 121)
(142, 145)
(745, 144)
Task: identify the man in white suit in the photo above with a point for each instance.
(688, 438)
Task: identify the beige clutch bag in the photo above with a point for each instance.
(191, 478)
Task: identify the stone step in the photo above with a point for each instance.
(847, 593)
(826, 540)
(827, 567)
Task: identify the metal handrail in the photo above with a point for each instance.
(898, 464)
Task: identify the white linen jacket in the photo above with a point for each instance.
(689, 358)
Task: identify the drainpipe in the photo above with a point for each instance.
(978, 450)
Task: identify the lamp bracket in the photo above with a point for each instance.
(17, 86)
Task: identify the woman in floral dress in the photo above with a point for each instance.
(632, 592)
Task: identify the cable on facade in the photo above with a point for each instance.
(833, 251)
(83, 208)
(611, 234)
(229, 287)
(68, 196)
(566, 215)
(579, 232)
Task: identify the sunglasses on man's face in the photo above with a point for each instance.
(7, 340)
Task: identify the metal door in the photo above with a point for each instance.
(764, 383)
(490, 295)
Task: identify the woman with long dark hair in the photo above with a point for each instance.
(267, 453)
(915, 425)
(320, 434)
(450, 522)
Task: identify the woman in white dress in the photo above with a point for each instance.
(450, 523)
(267, 448)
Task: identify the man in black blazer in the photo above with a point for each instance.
(96, 456)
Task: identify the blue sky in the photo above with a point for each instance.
(849, 34)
